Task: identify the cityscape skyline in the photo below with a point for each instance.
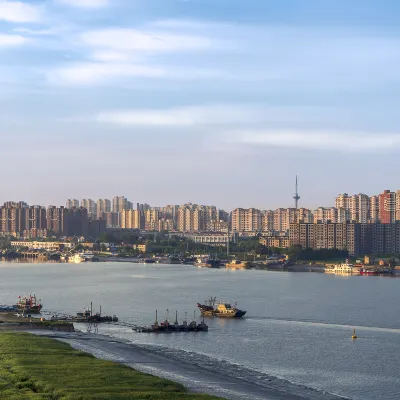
(291, 202)
(198, 101)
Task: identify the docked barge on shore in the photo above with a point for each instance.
(167, 327)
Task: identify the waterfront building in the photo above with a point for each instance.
(57, 220)
(47, 246)
(78, 222)
(212, 239)
(13, 218)
(281, 242)
(96, 228)
(36, 218)
(358, 239)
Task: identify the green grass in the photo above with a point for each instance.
(33, 367)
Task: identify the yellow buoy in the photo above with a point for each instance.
(354, 336)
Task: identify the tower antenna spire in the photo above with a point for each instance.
(296, 196)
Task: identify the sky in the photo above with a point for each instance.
(216, 102)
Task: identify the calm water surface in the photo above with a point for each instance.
(297, 327)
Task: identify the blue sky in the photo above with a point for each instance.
(210, 101)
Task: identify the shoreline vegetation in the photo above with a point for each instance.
(36, 367)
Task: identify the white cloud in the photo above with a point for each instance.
(129, 40)
(89, 73)
(17, 11)
(11, 40)
(85, 3)
(36, 32)
(184, 116)
(321, 140)
(113, 56)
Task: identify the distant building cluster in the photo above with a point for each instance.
(23, 221)
(121, 213)
(359, 223)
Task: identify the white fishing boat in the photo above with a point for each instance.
(76, 258)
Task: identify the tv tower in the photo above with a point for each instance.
(296, 196)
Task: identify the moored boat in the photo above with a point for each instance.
(76, 258)
(343, 269)
(29, 304)
(236, 264)
(208, 262)
(369, 271)
(220, 309)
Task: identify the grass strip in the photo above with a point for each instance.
(34, 367)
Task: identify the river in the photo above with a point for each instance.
(297, 328)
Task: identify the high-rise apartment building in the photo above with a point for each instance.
(121, 203)
(247, 220)
(191, 218)
(143, 207)
(343, 201)
(103, 206)
(345, 236)
(151, 218)
(356, 207)
(57, 220)
(374, 209)
(13, 218)
(360, 208)
(78, 222)
(132, 219)
(90, 205)
(36, 218)
(72, 203)
(324, 215)
(387, 207)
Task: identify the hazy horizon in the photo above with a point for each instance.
(218, 102)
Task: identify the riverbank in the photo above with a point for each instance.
(10, 321)
(35, 367)
(220, 380)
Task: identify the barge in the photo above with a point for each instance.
(167, 327)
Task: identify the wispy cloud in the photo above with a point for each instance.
(129, 39)
(17, 11)
(85, 3)
(234, 125)
(184, 116)
(35, 32)
(117, 54)
(322, 140)
(11, 40)
(89, 73)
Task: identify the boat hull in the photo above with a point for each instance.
(216, 313)
(30, 310)
(237, 314)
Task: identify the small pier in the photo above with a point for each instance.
(86, 316)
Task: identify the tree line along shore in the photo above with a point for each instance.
(39, 368)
